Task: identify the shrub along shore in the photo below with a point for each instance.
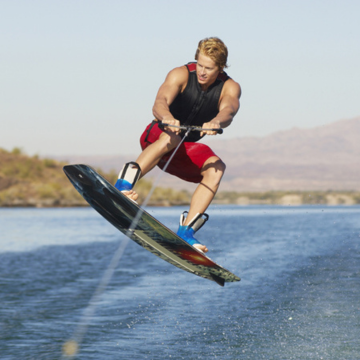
(34, 182)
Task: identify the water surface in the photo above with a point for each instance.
(298, 297)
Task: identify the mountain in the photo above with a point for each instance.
(320, 158)
(31, 181)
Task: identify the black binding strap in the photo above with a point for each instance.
(149, 129)
(130, 172)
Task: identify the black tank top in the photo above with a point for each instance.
(194, 106)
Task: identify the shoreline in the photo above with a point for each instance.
(166, 203)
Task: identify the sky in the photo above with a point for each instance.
(80, 77)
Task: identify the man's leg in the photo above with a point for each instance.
(152, 154)
(212, 172)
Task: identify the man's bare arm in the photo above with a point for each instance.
(228, 107)
(172, 86)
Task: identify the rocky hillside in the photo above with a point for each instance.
(322, 158)
(297, 166)
(31, 181)
(317, 159)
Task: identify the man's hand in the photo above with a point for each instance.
(210, 125)
(170, 128)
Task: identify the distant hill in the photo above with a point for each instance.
(105, 162)
(320, 158)
(31, 181)
(34, 182)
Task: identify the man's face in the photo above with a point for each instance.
(206, 70)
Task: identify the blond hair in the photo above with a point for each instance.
(215, 49)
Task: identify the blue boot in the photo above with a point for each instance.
(186, 232)
(123, 185)
(128, 176)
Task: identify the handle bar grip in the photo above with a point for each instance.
(187, 127)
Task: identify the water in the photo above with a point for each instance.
(299, 297)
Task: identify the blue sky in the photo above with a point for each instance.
(80, 77)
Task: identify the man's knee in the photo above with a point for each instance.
(214, 168)
(221, 165)
(168, 142)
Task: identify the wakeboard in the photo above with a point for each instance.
(148, 232)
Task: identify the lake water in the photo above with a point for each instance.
(299, 297)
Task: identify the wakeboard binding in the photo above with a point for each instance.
(128, 176)
(186, 232)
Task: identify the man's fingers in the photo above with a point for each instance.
(209, 132)
(171, 128)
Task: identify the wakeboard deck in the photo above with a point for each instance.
(148, 232)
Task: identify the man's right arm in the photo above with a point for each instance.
(174, 83)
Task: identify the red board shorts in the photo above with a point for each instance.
(188, 160)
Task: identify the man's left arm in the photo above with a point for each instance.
(228, 107)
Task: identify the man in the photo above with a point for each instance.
(198, 94)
